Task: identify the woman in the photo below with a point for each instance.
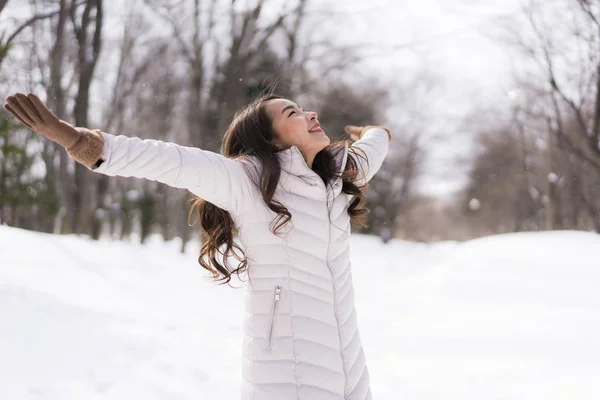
(289, 196)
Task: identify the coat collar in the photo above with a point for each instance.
(296, 171)
(292, 161)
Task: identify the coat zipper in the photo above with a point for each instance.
(273, 316)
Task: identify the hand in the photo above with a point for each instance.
(356, 132)
(33, 113)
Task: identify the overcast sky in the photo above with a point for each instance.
(449, 34)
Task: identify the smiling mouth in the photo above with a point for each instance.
(316, 129)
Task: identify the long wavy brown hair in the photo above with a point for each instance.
(250, 134)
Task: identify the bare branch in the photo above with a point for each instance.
(553, 81)
(32, 20)
(176, 25)
(586, 7)
(268, 32)
(564, 138)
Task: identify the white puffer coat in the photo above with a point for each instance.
(301, 339)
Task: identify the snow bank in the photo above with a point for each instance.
(506, 317)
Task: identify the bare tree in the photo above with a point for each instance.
(224, 71)
(393, 189)
(136, 69)
(561, 39)
(88, 32)
(500, 196)
(60, 180)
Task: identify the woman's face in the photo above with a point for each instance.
(296, 127)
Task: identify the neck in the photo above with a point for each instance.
(309, 158)
(309, 161)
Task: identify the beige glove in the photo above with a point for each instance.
(83, 145)
(356, 132)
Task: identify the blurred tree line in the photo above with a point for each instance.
(180, 82)
(535, 160)
(177, 70)
(539, 168)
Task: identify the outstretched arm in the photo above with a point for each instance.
(373, 141)
(211, 176)
(216, 179)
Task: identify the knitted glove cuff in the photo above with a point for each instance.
(88, 148)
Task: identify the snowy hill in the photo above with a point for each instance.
(506, 317)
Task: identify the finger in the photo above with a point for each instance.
(28, 107)
(18, 111)
(39, 105)
(10, 110)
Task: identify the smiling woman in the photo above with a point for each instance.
(296, 127)
(289, 195)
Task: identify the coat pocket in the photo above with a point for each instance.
(273, 318)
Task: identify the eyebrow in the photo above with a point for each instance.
(288, 107)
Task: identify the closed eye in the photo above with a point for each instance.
(291, 107)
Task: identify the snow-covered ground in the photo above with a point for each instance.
(506, 317)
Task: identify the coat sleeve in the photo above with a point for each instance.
(374, 143)
(211, 176)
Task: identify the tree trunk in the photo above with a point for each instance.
(60, 180)
(88, 54)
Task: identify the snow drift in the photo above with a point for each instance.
(504, 317)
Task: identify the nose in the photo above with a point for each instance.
(311, 115)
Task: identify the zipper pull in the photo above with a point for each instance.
(277, 291)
